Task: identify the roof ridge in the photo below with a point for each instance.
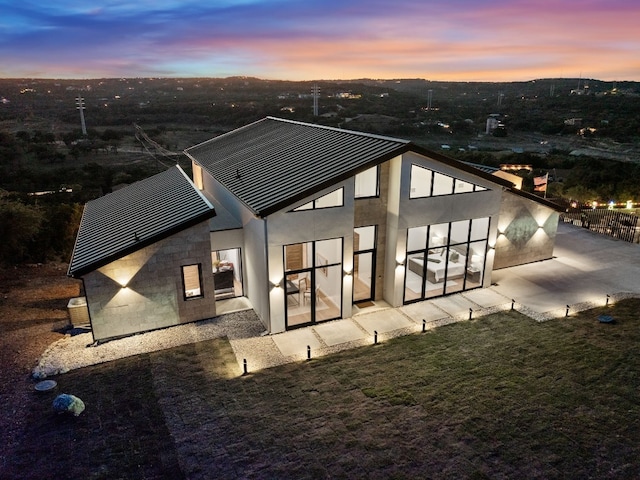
(341, 130)
(222, 135)
(197, 190)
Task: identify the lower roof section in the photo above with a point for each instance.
(136, 216)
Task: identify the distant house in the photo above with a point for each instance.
(305, 222)
(573, 122)
(493, 123)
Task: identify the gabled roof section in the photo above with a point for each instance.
(272, 163)
(136, 216)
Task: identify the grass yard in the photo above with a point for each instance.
(498, 397)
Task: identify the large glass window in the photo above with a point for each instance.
(426, 183)
(421, 179)
(442, 184)
(367, 183)
(331, 199)
(313, 281)
(364, 263)
(445, 258)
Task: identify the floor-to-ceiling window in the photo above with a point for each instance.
(313, 282)
(445, 258)
(364, 263)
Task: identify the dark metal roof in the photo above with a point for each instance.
(273, 163)
(136, 216)
(484, 168)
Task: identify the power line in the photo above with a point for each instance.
(80, 106)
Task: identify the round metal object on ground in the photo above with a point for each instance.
(46, 385)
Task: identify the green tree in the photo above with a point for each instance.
(581, 194)
(19, 225)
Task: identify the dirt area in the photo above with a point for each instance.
(33, 314)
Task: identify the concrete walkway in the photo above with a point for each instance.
(586, 267)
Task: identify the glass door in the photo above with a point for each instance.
(227, 273)
(313, 282)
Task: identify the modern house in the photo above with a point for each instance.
(307, 223)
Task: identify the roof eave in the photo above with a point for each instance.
(452, 162)
(80, 272)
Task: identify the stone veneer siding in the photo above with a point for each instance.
(526, 232)
(154, 295)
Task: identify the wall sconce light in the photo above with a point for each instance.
(276, 285)
(348, 273)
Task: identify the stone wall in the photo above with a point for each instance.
(143, 291)
(526, 232)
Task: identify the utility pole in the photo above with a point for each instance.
(80, 106)
(429, 98)
(315, 91)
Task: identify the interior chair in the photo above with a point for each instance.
(304, 289)
(307, 294)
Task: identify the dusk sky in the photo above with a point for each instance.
(457, 40)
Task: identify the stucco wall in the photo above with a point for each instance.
(526, 232)
(153, 297)
(286, 227)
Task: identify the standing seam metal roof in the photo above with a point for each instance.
(136, 216)
(272, 163)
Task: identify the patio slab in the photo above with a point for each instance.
(454, 305)
(383, 321)
(423, 311)
(340, 331)
(486, 298)
(294, 343)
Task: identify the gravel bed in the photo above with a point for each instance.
(77, 351)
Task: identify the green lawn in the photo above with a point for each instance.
(498, 397)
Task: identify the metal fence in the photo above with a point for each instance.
(624, 226)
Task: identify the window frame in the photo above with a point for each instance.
(315, 200)
(377, 194)
(184, 285)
